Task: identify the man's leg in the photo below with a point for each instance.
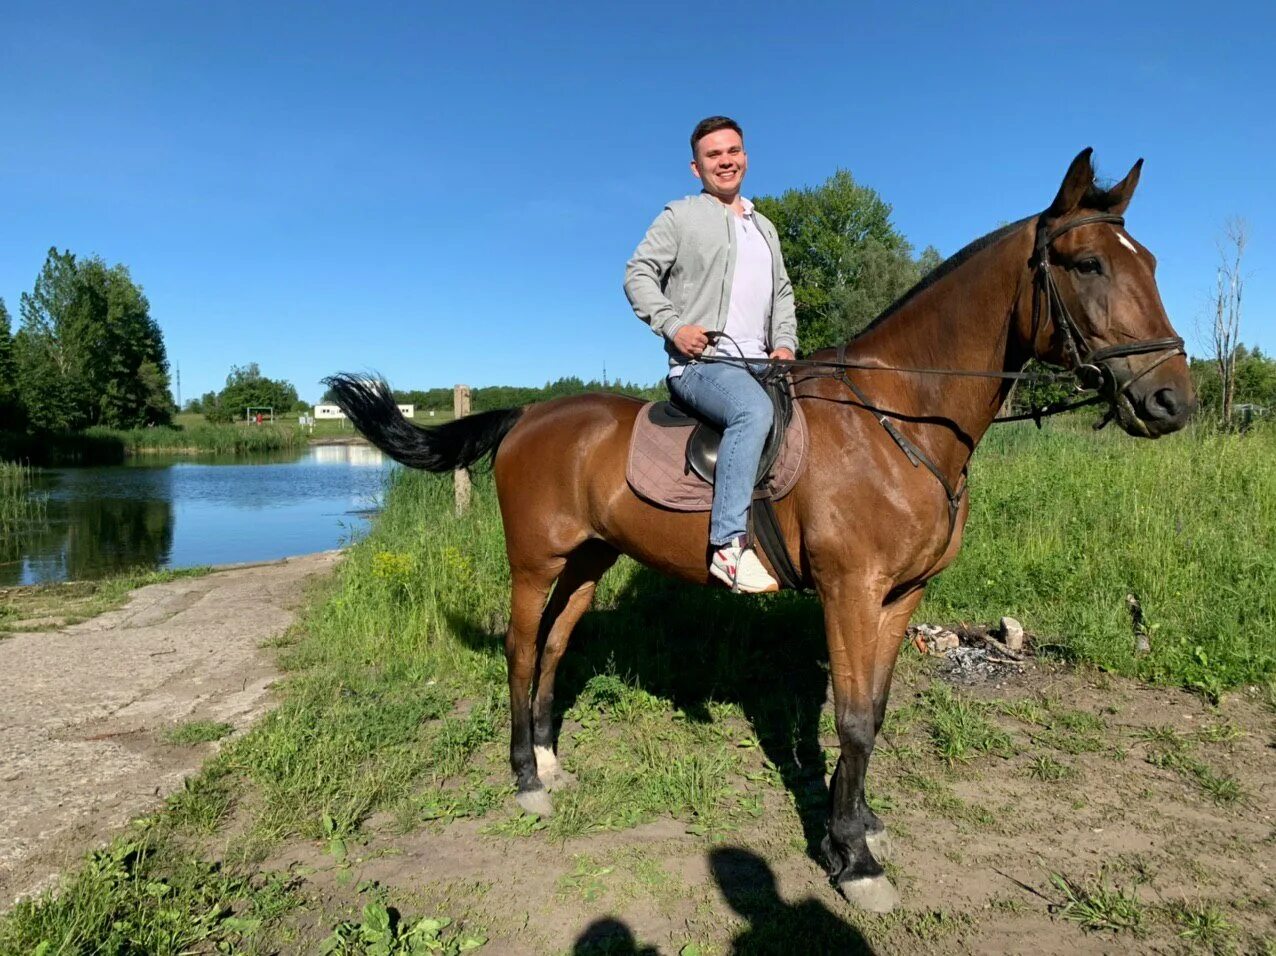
(730, 397)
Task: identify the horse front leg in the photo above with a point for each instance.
(893, 627)
(853, 625)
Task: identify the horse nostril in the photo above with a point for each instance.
(1165, 403)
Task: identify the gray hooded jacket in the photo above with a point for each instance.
(680, 274)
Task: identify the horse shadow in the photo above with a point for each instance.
(696, 646)
(773, 926)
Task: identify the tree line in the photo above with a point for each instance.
(246, 387)
(86, 351)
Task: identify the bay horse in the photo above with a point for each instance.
(866, 526)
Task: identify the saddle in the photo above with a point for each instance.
(702, 446)
(673, 456)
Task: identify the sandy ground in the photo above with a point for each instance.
(82, 749)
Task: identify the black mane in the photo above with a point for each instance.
(954, 261)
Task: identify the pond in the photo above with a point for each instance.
(160, 512)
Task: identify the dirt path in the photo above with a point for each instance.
(82, 748)
(1099, 780)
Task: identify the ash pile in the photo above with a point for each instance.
(975, 654)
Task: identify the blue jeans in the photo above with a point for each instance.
(731, 398)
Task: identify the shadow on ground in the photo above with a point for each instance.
(773, 926)
(695, 646)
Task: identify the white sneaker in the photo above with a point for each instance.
(740, 570)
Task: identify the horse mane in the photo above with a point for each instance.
(953, 262)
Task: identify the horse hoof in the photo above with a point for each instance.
(536, 802)
(879, 844)
(558, 780)
(872, 893)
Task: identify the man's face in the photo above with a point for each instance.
(721, 162)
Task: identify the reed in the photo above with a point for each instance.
(20, 506)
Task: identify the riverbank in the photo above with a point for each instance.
(106, 446)
(108, 716)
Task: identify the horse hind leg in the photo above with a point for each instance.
(572, 597)
(527, 605)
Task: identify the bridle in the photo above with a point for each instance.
(1090, 365)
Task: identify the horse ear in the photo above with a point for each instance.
(1076, 181)
(1119, 196)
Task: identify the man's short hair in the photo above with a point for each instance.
(711, 124)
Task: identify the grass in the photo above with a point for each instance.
(141, 895)
(20, 507)
(206, 438)
(1171, 750)
(960, 728)
(1064, 524)
(1096, 905)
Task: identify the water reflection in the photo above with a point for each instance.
(155, 513)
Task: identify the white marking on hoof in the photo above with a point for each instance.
(879, 844)
(536, 802)
(872, 893)
(546, 762)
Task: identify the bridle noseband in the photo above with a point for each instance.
(1090, 365)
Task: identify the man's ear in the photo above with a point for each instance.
(1119, 196)
(1076, 181)
(695, 169)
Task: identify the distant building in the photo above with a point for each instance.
(332, 411)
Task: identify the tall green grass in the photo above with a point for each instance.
(109, 446)
(207, 438)
(20, 507)
(1065, 523)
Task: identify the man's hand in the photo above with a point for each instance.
(691, 341)
(786, 354)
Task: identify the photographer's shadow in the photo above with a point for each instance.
(748, 884)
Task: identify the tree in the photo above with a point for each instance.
(1254, 375)
(11, 416)
(1228, 289)
(88, 352)
(50, 362)
(846, 261)
(246, 387)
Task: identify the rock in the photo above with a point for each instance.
(945, 641)
(1011, 634)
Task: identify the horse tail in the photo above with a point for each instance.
(371, 407)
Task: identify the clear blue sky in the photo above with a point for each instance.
(451, 195)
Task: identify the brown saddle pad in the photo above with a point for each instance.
(657, 467)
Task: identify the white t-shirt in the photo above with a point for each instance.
(751, 287)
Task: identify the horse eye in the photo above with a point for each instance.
(1089, 267)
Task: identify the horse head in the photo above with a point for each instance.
(1097, 309)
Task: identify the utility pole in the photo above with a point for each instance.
(177, 370)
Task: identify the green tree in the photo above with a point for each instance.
(47, 349)
(846, 261)
(11, 416)
(246, 387)
(88, 352)
(1254, 378)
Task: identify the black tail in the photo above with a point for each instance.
(369, 404)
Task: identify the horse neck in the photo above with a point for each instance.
(973, 319)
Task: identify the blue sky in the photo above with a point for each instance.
(448, 193)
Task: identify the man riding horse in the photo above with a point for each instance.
(711, 264)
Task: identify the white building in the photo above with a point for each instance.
(332, 411)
